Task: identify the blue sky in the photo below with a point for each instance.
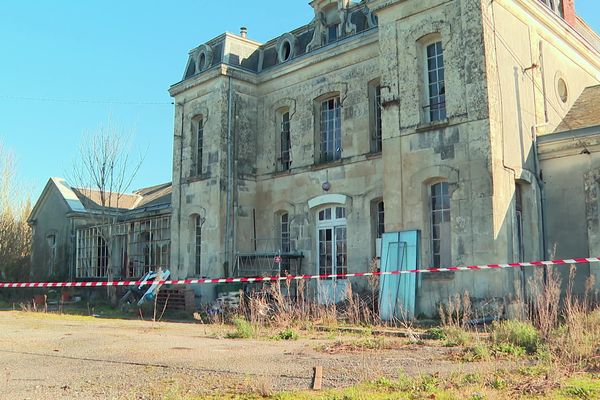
(67, 67)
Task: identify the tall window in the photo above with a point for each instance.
(436, 82)
(380, 219)
(199, 147)
(285, 232)
(331, 133)
(440, 225)
(150, 246)
(285, 143)
(198, 245)
(333, 252)
(519, 222)
(51, 240)
(375, 120)
(92, 254)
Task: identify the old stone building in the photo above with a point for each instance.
(427, 133)
(378, 116)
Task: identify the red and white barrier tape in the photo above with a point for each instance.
(296, 277)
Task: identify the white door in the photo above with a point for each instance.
(332, 254)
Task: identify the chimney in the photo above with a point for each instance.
(569, 12)
(243, 32)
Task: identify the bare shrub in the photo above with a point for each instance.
(576, 342)
(457, 311)
(15, 233)
(544, 307)
(284, 305)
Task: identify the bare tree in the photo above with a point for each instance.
(104, 165)
(15, 233)
(103, 174)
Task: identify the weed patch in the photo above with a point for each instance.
(456, 336)
(287, 334)
(358, 345)
(511, 335)
(243, 330)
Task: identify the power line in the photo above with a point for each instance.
(85, 101)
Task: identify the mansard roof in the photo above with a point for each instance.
(349, 17)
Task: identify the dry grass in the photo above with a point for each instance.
(377, 343)
(272, 308)
(457, 311)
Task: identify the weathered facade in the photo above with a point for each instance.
(384, 115)
(448, 118)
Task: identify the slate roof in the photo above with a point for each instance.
(585, 111)
(91, 199)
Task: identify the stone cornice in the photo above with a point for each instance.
(569, 143)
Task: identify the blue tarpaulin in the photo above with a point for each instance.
(399, 252)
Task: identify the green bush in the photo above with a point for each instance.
(509, 348)
(287, 334)
(516, 333)
(243, 330)
(456, 336)
(477, 352)
(436, 333)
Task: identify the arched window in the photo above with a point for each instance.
(332, 242)
(440, 225)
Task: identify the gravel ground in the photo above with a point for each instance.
(46, 356)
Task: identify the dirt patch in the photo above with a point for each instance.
(49, 357)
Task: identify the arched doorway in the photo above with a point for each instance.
(332, 253)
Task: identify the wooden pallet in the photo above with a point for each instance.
(176, 299)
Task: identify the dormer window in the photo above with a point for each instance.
(286, 47)
(332, 33)
(331, 22)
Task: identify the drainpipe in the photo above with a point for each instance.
(229, 206)
(540, 183)
(182, 105)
